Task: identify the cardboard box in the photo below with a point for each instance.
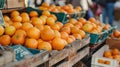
(15, 4)
(99, 55)
(113, 43)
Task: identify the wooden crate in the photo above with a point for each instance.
(10, 4)
(113, 42)
(70, 55)
(58, 56)
(34, 61)
(7, 55)
(74, 59)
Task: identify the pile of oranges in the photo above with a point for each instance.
(69, 9)
(39, 32)
(44, 32)
(113, 54)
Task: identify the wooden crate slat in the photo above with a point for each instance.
(30, 62)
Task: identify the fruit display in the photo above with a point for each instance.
(69, 9)
(113, 54)
(39, 32)
(116, 34)
(104, 61)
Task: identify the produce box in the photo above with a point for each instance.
(15, 4)
(98, 57)
(96, 38)
(113, 42)
(2, 4)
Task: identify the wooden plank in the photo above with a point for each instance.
(30, 61)
(75, 58)
(57, 56)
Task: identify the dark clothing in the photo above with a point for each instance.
(111, 1)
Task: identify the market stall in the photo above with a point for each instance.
(50, 36)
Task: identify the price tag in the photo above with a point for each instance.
(1, 19)
(21, 52)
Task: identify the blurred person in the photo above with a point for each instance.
(108, 10)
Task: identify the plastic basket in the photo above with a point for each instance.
(60, 16)
(96, 38)
(2, 3)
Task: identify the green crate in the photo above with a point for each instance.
(60, 16)
(2, 3)
(96, 38)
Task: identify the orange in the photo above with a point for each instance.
(5, 40)
(78, 24)
(82, 20)
(77, 36)
(74, 30)
(57, 33)
(52, 15)
(64, 35)
(46, 13)
(47, 33)
(82, 33)
(107, 53)
(24, 14)
(25, 17)
(43, 18)
(68, 25)
(10, 30)
(36, 21)
(58, 44)
(87, 27)
(101, 61)
(1, 30)
(72, 21)
(39, 41)
(55, 27)
(6, 18)
(106, 27)
(33, 32)
(66, 29)
(92, 19)
(26, 26)
(31, 43)
(107, 62)
(69, 40)
(40, 27)
(50, 21)
(33, 14)
(60, 24)
(17, 25)
(115, 51)
(116, 33)
(15, 13)
(45, 46)
(21, 32)
(18, 38)
(71, 36)
(45, 4)
(17, 19)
